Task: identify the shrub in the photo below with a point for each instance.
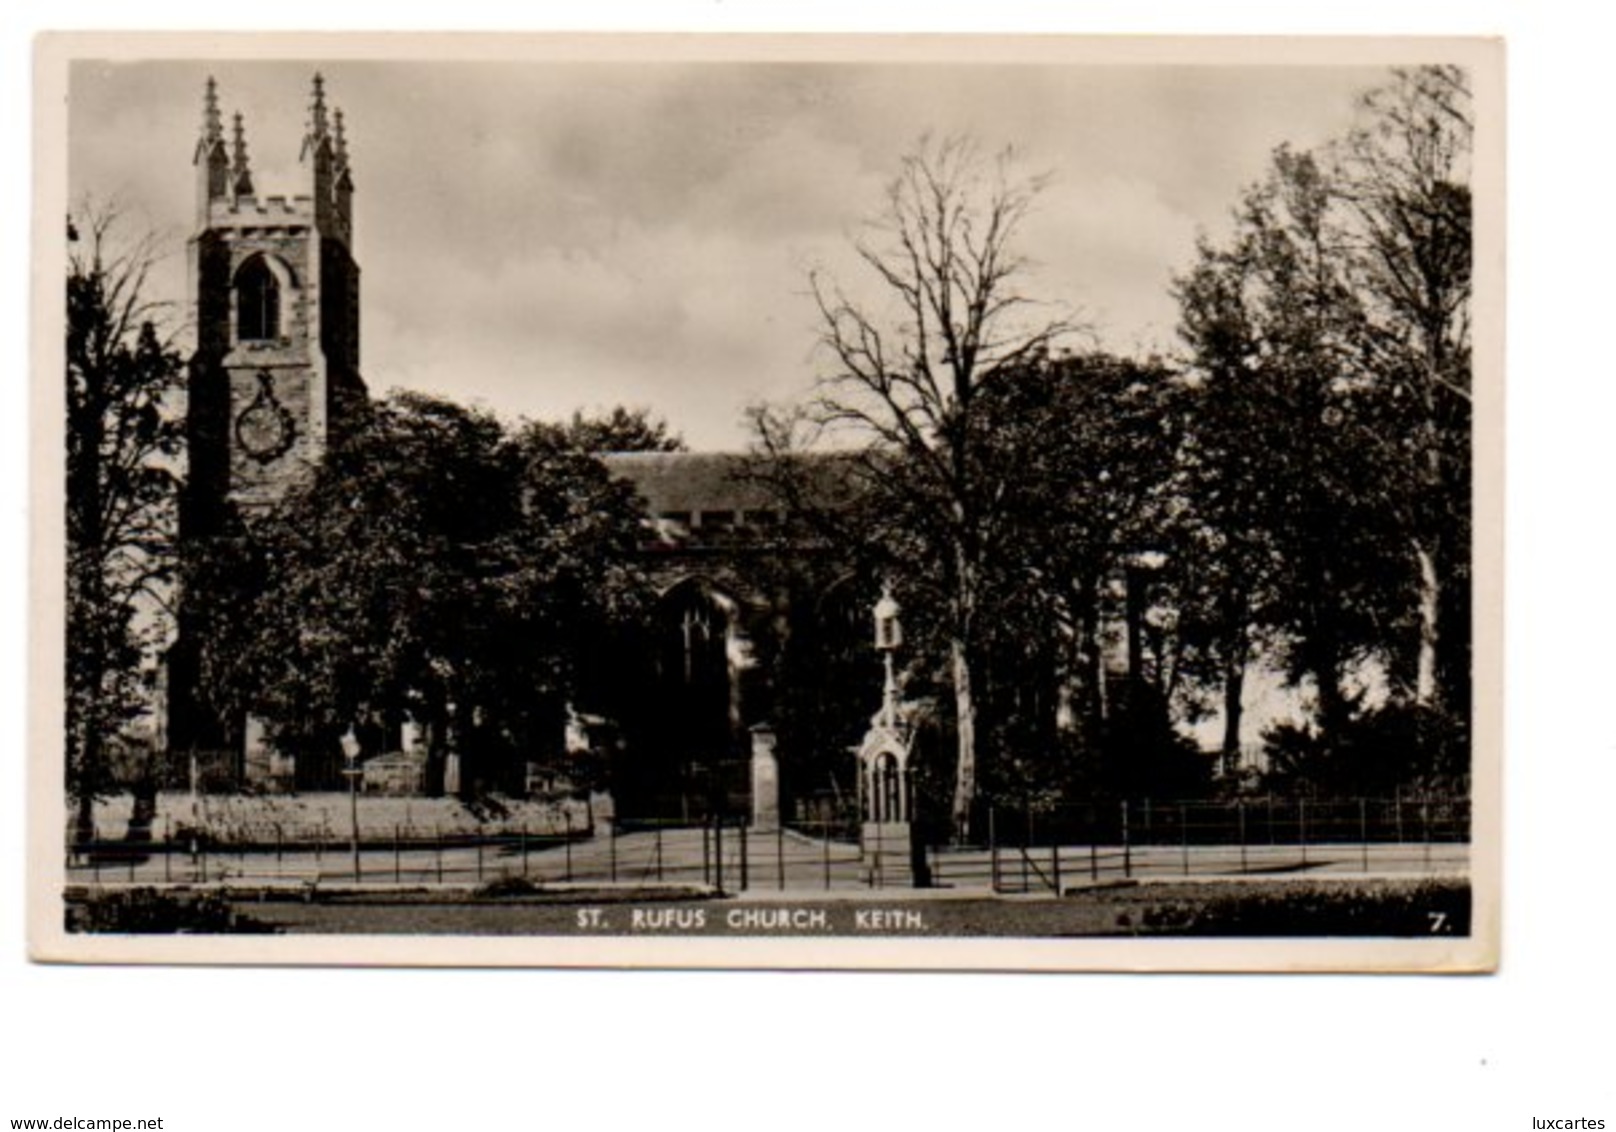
(146, 911)
(506, 886)
(1426, 908)
(1397, 747)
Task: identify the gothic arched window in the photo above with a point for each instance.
(258, 303)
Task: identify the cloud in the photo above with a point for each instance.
(549, 236)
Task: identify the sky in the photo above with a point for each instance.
(544, 237)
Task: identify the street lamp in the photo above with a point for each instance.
(350, 752)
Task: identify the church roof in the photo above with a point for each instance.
(691, 481)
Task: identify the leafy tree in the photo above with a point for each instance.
(1328, 469)
(907, 371)
(122, 443)
(1226, 538)
(1091, 440)
(1403, 183)
(620, 430)
(1274, 326)
(434, 567)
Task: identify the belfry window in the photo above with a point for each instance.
(258, 303)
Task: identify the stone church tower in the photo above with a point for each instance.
(275, 291)
(275, 378)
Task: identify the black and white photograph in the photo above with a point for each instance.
(914, 504)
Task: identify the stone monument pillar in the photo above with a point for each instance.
(765, 780)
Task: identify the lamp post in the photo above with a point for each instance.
(350, 752)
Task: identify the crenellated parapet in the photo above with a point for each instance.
(276, 293)
(226, 192)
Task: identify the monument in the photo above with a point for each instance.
(886, 793)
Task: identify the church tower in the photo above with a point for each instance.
(275, 293)
(274, 381)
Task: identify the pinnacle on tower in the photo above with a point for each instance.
(212, 135)
(240, 176)
(341, 138)
(211, 161)
(317, 121)
(212, 126)
(318, 130)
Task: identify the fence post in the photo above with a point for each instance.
(611, 847)
(993, 849)
(1026, 847)
(824, 838)
(780, 854)
(1127, 849)
(1301, 826)
(1425, 826)
(746, 832)
(524, 850)
(1054, 864)
(659, 853)
(877, 880)
(479, 856)
(1363, 830)
(280, 838)
(398, 876)
(437, 839)
(1184, 835)
(1240, 808)
(706, 866)
(568, 843)
(718, 853)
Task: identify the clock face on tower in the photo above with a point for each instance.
(264, 429)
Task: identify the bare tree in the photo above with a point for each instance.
(122, 445)
(947, 316)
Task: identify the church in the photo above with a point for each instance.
(677, 709)
(757, 649)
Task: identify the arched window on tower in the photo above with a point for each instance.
(258, 303)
